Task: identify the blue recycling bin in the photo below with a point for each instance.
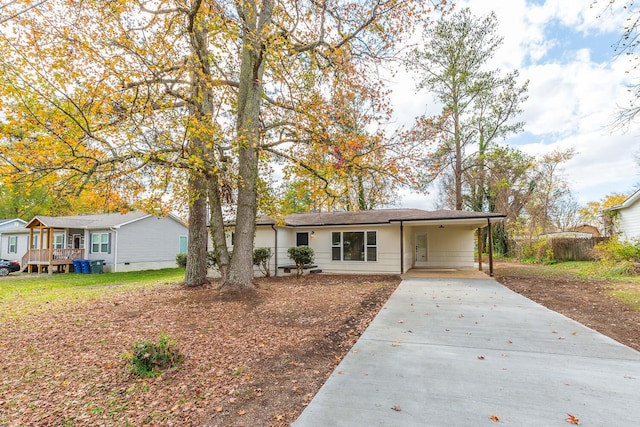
(77, 266)
(86, 266)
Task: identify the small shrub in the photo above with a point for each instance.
(212, 260)
(301, 255)
(181, 260)
(614, 251)
(149, 359)
(261, 258)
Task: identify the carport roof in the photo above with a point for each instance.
(378, 216)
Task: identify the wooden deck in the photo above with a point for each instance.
(59, 258)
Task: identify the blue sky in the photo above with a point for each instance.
(576, 84)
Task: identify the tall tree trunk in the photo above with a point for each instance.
(216, 225)
(248, 132)
(196, 271)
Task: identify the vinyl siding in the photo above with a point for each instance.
(22, 243)
(629, 222)
(448, 247)
(148, 243)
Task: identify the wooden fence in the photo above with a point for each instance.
(574, 249)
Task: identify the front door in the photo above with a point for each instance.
(420, 254)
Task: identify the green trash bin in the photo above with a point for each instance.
(96, 266)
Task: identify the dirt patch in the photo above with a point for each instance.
(249, 361)
(589, 302)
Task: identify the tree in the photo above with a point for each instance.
(594, 213)
(628, 44)
(478, 105)
(152, 95)
(551, 190)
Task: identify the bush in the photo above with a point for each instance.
(301, 255)
(261, 258)
(181, 260)
(538, 251)
(614, 251)
(149, 359)
(212, 260)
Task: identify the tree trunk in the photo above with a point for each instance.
(248, 133)
(216, 225)
(196, 271)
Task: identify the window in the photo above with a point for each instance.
(34, 241)
(58, 241)
(100, 243)
(354, 246)
(302, 239)
(183, 245)
(13, 245)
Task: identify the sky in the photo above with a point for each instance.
(577, 84)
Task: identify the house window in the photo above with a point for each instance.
(13, 245)
(354, 246)
(183, 245)
(58, 241)
(302, 239)
(100, 243)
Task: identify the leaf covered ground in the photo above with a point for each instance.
(249, 361)
(593, 302)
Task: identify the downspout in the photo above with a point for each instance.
(490, 239)
(273, 227)
(401, 247)
(115, 249)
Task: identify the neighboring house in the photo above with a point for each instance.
(626, 217)
(588, 229)
(125, 242)
(377, 241)
(9, 247)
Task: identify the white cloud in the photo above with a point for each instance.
(573, 99)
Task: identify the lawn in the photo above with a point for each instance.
(28, 294)
(255, 360)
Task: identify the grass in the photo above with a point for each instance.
(20, 295)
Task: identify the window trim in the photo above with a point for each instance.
(366, 245)
(14, 244)
(100, 243)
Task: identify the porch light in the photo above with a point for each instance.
(313, 234)
(441, 226)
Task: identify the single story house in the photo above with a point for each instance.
(387, 241)
(626, 217)
(124, 241)
(9, 247)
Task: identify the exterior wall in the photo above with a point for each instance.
(23, 246)
(149, 243)
(448, 247)
(629, 222)
(388, 249)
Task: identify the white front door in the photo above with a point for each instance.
(420, 253)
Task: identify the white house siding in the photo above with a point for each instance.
(149, 243)
(388, 249)
(448, 247)
(22, 246)
(629, 222)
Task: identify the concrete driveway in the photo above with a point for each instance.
(470, 352)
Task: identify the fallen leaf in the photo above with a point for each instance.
(395, 344)
(278, 417)
(494, 418)
(241, 412)
(481, 357)
(573, 420)
(218, 408)
(396, 408)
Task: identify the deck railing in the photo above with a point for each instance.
(42, 255)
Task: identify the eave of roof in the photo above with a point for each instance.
(377, 217)
(629, 201)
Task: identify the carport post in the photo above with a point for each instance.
(480, 239)
(490, 239)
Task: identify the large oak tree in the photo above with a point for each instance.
(185, 99)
